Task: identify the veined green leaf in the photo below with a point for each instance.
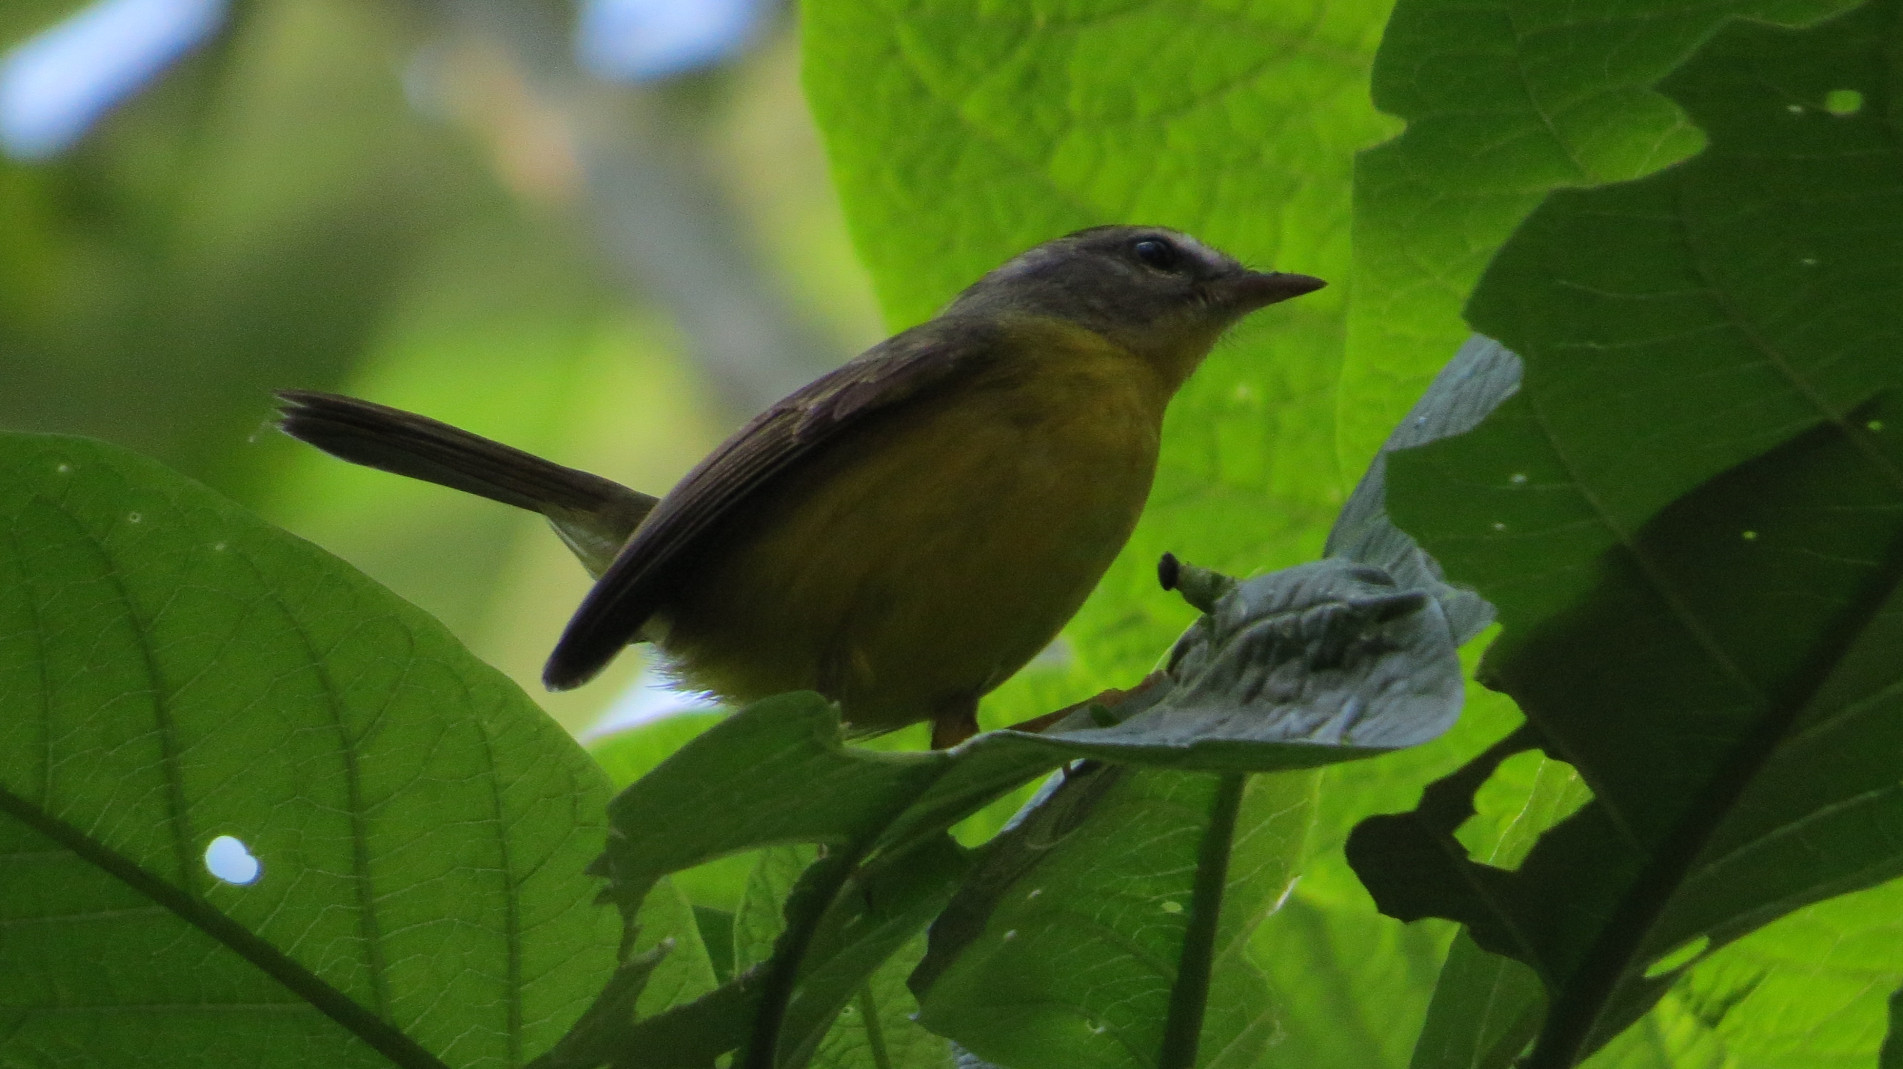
(1504, 102)
(1722, 672)
(175, 672)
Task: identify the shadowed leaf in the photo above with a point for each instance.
(1721, 672)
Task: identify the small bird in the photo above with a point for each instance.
(903, 533)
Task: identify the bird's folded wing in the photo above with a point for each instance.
(900, 369)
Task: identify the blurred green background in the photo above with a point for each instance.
(602, 232)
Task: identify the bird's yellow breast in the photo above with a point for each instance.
(922, 561)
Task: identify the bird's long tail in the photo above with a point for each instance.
(593, 515)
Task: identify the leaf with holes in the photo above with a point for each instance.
(177, 674)
(1691, 520)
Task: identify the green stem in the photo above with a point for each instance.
(802, 923)
(1189, 996)
(875, 1033)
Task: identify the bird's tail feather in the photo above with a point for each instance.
(592, 514)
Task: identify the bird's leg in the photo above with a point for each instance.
(955, 721)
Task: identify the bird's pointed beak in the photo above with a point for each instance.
(1259, 289)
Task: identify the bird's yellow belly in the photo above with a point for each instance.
(907, 575)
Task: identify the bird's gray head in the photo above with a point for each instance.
(1157, 291)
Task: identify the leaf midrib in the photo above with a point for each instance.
(378, 1034)
(1606, 962)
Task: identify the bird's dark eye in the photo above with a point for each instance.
(1157, 253)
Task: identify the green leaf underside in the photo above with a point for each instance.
(879, 1029)
(1739, 774)
(1504, 102)
(961, 134)
(175, 670)
(1677, 326)
(1807, 990)
(1721, 671)
(1071, 943)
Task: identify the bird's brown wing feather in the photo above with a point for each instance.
(897, 370)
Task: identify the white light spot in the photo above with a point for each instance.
(1010, 935)
(135, 517)
(1035, 891)
(57, 83)
(1794, 109)
(217, 547)
(1172, 906)
(230, 860)
(1498, 526)
(1809, 261)
(1518, 478)
(64, 469)
(1096, 1027)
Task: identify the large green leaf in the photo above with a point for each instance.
(1504, 102)
(1891, 1056)
(1722, 673)
(1737, 738)
(1807, 990)
(173, 670)
(1679, 325)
